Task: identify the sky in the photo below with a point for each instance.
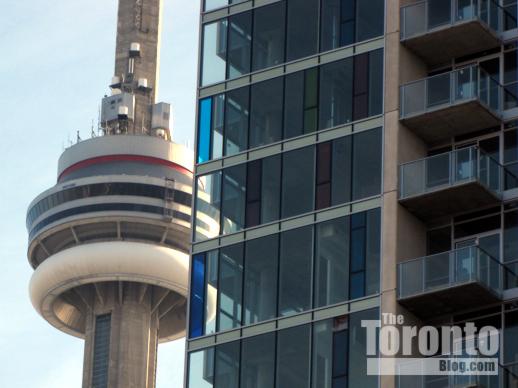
(56, 60)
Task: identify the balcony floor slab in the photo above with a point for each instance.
(445, 43)
(450, 200)
(451, 120)
(444, 301)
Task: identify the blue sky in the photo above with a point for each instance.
(56, 58)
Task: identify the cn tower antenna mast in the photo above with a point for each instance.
(109, 242)
(137, 57)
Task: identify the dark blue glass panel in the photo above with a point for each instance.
(358, 250)
(358, 220)
(197, 296)
(340, 352)
(357, 285)
(204, 128)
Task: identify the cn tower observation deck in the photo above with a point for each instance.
(109, 242)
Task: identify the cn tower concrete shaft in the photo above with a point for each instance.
(133, 336)
(139, 21)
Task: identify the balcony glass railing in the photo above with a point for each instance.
(443, 90)
(450, 169)
(453, 381)
(426, 16)
(449, 269)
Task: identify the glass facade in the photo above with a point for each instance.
(299, 103)
(286, 273)
(295, 169)
(287, 217)
(325, 354)
(284, 31)
(335, 172)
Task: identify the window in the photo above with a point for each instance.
(297, 183)
(217, 125)
(260, 288)
(302, 31)
(201, 369)
(204, 130)
(230, 287)
(511, 337)
(345, 22)
(322, 376)
(213, 4)
(293, 357)
(510, 233)
(341, 176)
(339, 352)
(258, 361)
(208, 204)
(239, 44)
(271, 188)
(369, 19)
(214, 52)
(332, 262)
(358, 350)
(227, 365)
(295, 271)
(334, 170)
(365, 254)
(211, 290)
(266, 112)
(263, 187)
(336, 89)
(236, 121)
(301, 103)
(358, 244)
(197, 304)
(367, 164)
(268, 36)
(373, 251)
(233, 198)
(101, 351)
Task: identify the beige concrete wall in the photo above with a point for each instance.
(403, 236)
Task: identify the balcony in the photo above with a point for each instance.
(450, 183)
(453, 381)
(451, 104)
(438, 31)
(450, 281)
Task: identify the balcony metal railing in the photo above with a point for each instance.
(447, 89)
(449, 269)
(426, 16)
(450, 169)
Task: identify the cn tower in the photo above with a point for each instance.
(109, 242)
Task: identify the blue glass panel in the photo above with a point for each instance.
(357, 285)
(358, 250)
(358, 220)
(340, 353)
(204, 128)
(197, 296)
